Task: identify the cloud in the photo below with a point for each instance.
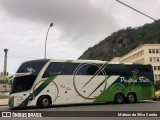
(72, 17)
(78, 24)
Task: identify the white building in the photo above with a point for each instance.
(147, 54)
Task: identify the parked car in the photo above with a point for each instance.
(157, 95)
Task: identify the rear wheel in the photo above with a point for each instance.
(131, 98)
(154, 99)
(119, 98)
(44, 101)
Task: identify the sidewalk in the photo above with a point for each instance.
(3, 102)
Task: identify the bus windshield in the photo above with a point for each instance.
(25, 82)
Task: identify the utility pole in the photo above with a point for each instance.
(5, 62)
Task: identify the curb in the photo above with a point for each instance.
(4, 105)
(3, 102)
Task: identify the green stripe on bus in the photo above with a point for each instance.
(97, 72)
(37, 91)
(121, 63)
(105, 80)
(11, 102)
(69, 61)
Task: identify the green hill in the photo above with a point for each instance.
(121, 42)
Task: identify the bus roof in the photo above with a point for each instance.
(83, 61)
(38, 60)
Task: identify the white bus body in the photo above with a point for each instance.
(56, 82)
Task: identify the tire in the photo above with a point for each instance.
(44, 101)
(154, 99)
(131, 98)
(119, 98)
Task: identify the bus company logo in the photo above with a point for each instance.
(6, 114)
(133, 80)
(92, 85)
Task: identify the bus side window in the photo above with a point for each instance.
(54, 69)
(70, 68)
(147, 68)
(117, 69)
(135, 69)
(89, 69)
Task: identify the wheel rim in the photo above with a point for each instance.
(131, 98)
(45, 102)
(119, 99)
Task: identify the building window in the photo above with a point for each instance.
(159, 77)
(154, 59)
(150, 59)
(157, 59)
(150, 51)
(158, 67)
(156, 50)
(153, 50)
(156, 77)
(155, 67)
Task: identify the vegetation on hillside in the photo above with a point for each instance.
(121, 42)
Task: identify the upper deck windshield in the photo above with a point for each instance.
(24, 83)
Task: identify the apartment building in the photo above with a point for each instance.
(147, 54)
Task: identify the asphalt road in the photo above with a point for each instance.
(139, 106)
(147, 105)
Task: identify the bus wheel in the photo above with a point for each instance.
(119, 98)
(44, 101)
(131, 98)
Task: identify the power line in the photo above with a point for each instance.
(136, 10)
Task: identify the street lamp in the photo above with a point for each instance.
(46, 40)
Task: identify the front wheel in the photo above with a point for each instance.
(44, 101)
(119, 98)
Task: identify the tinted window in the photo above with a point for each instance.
(92, 69)
(83, 69)
(25, 83)
(55, 69)
(89, 69)
(36, 66)
(116, 69)
(59, 68)
(147, 70)
(135, 69)
(71, 67)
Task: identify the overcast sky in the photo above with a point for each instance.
(78, 24)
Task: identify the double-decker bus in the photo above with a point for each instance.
(55, 82)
